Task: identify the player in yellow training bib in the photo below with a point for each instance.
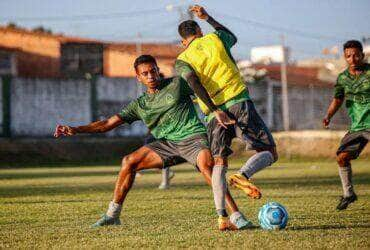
(209, 68)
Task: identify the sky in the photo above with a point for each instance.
(308, 26)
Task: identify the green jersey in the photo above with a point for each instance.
(169, 113)
(356, 92)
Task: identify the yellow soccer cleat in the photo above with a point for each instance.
(241, 182)
(225, 224)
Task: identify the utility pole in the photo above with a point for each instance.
(284, 87)
(139, 52)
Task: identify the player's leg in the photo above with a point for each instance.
(251, 128)
(167, 174)
(220, 142)
(351, 146)
(143, 158)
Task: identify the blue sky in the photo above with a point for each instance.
(308, 25)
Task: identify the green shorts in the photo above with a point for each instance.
(173, 153)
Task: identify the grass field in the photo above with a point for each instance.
(54, 208)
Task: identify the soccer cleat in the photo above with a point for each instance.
(241, 182)
(345, 201)
(106, 220)
(240, 222)
(163, 186)
(223, 223)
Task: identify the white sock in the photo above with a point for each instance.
(345, 174)
(256, 163)
(165, 176)
(114, 209)
(219, 187)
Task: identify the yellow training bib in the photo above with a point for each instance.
(215, 69)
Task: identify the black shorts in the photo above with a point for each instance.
(354, 143)
(249, 127)
(173, 153)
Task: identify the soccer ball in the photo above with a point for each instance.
(273, 216)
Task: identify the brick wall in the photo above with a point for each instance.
(40, 53)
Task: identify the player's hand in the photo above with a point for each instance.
(326, 122)
(61, 130)
(223, 119)
(199, 11)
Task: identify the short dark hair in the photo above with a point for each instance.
(353, 44)
(144, 59)
(188, 28)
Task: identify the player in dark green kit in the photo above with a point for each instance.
(353, 88)
(167, 110)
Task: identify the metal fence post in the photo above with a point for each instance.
(94, 98)
(6, 81)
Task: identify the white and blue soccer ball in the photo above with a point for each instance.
(273, 216)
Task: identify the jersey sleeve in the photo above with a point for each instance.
(227, 38)
(339, 89)
(183, 69)
(129, 113)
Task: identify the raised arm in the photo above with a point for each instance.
(201, 13)
(94, 127)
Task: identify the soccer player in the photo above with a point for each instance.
(353, 88)
(167, 110)
(210, 70)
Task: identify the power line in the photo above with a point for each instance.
(282, 29)
(87, 17)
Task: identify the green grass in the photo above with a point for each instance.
(54, 207)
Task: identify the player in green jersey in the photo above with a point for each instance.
(353, 88)
(167, 110)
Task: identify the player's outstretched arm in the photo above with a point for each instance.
(94, 127)
(201, 13)
(335, 104)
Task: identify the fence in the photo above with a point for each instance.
(32, 107)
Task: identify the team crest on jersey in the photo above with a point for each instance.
(169, 98)
(199, 47)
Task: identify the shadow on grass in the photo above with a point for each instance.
(289, 183)
(326, 227)
(56, 174)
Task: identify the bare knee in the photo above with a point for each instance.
(205, 160)
(343, 159)
(128, 164)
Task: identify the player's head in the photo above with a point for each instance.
(147, 71)
(189, 30)
(353, 53)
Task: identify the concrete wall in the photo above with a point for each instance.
(307, 106)
(1, 106)
(38, 105)
(112, 95)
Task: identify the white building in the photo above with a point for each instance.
(269, 54)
